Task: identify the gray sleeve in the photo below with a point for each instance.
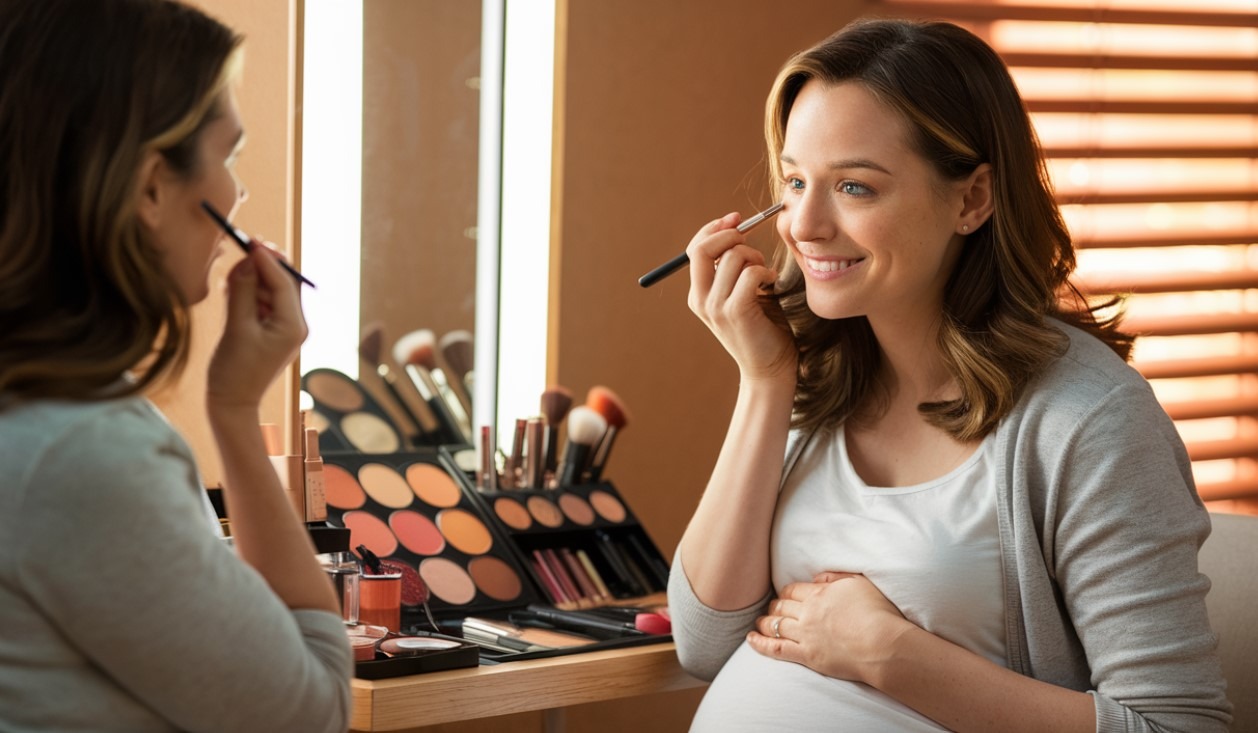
(1124, 536)
(705, 637)
(118, 556)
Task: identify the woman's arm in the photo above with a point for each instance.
(725, 547)
(264, 329)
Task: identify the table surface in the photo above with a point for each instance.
(400, 703)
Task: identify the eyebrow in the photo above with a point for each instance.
(845, 164)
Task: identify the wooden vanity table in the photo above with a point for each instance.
(403, 703)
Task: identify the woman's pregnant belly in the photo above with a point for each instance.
(757, 693)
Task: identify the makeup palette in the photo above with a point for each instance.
(347, 417)
(582, 544)
(411, 509)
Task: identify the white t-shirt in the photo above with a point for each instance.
(932, 549)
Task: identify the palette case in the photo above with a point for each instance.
(420, 510)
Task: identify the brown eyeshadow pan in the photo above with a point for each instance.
(577, 509)
(512, 513)
(545, 511)
(495, 578)
(608, 506)
(335, 391)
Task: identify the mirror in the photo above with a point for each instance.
(392, 98)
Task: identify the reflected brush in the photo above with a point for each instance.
(242, 239)
(680, 260)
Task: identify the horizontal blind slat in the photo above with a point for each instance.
(1166, 282)
(1197, 367)
(995, 11)
(1191, 324)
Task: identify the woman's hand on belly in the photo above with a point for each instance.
(839, 625)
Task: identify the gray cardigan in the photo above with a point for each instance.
(1100, 525)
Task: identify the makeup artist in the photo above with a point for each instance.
(121, 608)
(944, 501)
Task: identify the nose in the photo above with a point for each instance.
(812, 217)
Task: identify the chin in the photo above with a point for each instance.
(829, 308)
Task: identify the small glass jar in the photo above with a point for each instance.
(343, 568)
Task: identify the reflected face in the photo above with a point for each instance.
(188, 238)
(869, 222)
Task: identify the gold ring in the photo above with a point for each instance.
(777, 628)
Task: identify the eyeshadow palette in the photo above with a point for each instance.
(347, 417)
(582, 544)
(411, 510)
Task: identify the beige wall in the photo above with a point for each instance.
(265, 167)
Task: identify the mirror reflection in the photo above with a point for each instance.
(409, 339)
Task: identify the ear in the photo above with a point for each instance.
(150, 190)
(977, 200)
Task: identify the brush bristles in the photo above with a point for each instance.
(369, 347)
(585, 426)
(416, 348)
(556, 401)
(457, 348)
(606, 403)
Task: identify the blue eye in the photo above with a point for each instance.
(852, 188)
(795, 184)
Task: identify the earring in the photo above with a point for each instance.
(965, 228)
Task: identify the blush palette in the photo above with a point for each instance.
(411, 510)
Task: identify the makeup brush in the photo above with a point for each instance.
(585, 427)
(606, 403)
(456, 349)
(370, 350)
(415, 352)
(245, 243)
(556, 401)
(682, 259)
(369, 559)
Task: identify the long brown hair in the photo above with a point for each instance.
(88, 88)
(964, 110)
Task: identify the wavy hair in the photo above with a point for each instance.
(963, 110)
(88, 89)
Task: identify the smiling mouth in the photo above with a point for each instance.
(830, 265)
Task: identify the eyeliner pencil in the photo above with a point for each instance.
(680, 260)
(239, 238)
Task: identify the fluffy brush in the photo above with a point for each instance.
(415, 351)
(608, 404)
(585, 427)
(456, 349)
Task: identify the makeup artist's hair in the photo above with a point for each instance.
(962, 110)
(88, 88)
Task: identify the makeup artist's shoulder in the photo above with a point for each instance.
(35, 427)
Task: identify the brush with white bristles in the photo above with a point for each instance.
(415, 352)
(585, 428)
